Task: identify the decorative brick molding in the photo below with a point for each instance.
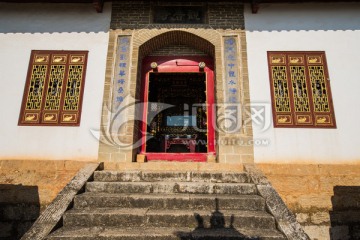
(176, 37)
(178, 50)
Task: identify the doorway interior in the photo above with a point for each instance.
(178, 111)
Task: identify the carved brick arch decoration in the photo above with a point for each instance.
(176, 38)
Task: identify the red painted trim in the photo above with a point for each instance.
(144, 99)
(180, 64)
(210, 111)
(177, 157)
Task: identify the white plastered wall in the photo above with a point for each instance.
(26, 27)
(330, 27)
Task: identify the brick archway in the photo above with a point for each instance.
(171, 40)
(145, 42)
(179, 38)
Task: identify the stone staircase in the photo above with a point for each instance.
(168, 205)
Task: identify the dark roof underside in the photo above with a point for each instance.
(98, 4)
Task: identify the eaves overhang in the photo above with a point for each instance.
(98, 4)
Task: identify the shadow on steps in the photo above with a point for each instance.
(216, 230)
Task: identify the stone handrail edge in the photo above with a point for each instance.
(285, 219)
(53, 213)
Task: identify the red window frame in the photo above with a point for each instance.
(54, 88)
(300, 90)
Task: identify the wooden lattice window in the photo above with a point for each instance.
(54, 88)
(300, 90)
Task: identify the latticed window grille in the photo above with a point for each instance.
(300, 90)
(54, 88)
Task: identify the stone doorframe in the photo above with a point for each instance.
(116, 139)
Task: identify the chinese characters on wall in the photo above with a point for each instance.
(121, 77)
(232, 116)
(231, 70)
(179, 14)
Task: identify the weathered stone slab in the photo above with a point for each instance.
(100, 233)
(168, 218)
(160, 176)
(171, 187)
(169, 201)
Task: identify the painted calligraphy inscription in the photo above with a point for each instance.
(232, 116)
(231, 70)
(179, 14)
(121, 71)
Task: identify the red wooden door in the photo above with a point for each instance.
(179, 65)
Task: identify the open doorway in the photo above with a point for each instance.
(178, 98)
(181, 126)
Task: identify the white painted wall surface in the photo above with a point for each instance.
(26, 27)
(330, 27)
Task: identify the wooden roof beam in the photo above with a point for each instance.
(98, 5)
(254, 6)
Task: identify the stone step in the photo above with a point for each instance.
(100, 233)
(91, 200)
(172, 166)
(128, 217)
(153, 176)
(172, 187)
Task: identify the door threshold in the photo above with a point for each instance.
(177, 157)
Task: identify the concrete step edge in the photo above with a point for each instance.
(172, 187)
(167, 195)
(174, 212)
(183, 176)
(167, 232)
